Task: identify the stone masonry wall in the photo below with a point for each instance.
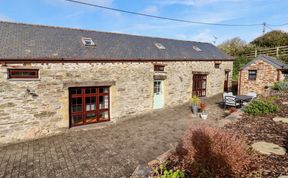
(46, 112)
(266, 76)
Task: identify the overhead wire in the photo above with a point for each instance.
(161, 17)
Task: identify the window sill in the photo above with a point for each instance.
(24, 79)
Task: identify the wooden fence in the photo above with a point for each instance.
(275, 52)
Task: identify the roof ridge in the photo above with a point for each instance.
(89, 30)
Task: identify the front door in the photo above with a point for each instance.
(199, 84)
(226, 81)
(158, 100)
(88, 105)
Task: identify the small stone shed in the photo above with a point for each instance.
(261, 73)
(54, 78)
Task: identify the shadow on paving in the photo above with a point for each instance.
(113, 151)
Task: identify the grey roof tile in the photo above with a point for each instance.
(26, 41)
(271, 60)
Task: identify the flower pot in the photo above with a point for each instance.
(204, 115)
(195, 109)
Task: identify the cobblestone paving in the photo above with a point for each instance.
(114, 151)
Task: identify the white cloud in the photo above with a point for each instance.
(194, 2)
(63, 2)
(203, 36)
(4, 18)
(152, 10)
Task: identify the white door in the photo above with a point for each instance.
(158, 100)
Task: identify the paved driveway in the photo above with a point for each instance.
(113, 151)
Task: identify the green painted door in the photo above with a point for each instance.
(158, 100)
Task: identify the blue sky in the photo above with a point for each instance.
(67, 14)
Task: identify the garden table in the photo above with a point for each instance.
(242, 98)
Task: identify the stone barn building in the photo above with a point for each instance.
(261, 73)
(54, 78)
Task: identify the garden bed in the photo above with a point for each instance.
(263, 128)
(253, 129)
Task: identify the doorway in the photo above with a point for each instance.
(226, 88)
(88, 105)
(199, 85)
(158, 98)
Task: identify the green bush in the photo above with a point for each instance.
(282, 85)
(261, 106)
(163, 172)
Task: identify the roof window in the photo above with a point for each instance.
(196, 48)
(88, 42)
(160, 46)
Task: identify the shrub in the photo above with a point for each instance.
(213, 152)
(163, 172)
(282, 85)
(195, 100)
(261, 106)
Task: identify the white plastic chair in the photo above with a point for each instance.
(231, 101)
(227, 94)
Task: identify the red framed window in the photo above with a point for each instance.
(199, 85)
(159, 68)
(89, 105)
(23, 73)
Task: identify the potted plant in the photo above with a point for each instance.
(195, 102)
(203, 113)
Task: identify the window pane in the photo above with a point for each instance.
(77, 108)
(203, 84)
(104, 115)
(76, 91)
(104, 90)
(79, 100)
(87, 91)
(93, 90)
(90, 103)
(103, 102)
(77, 120)
(91, 117)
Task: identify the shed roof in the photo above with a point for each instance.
(26, 42)
(271, 60)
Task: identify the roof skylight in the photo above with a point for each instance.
(88, 42)
(196, 48)
(160, 46)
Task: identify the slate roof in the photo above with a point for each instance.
(26, 41)
(271, 60)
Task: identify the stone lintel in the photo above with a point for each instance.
(89, 84)
(160, 77)
(200, 72)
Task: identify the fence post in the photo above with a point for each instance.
(277, 51)
(255, 52)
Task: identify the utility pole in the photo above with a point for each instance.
(264, 27)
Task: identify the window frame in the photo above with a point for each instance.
(84, 112)
(217, 66)
(197, 89)
(254, 75)
(159, 68)
(15, 70)
(85, 39)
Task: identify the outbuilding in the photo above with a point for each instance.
(261, 73)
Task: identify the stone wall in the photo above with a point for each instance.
(45, 109)
(266, 76)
